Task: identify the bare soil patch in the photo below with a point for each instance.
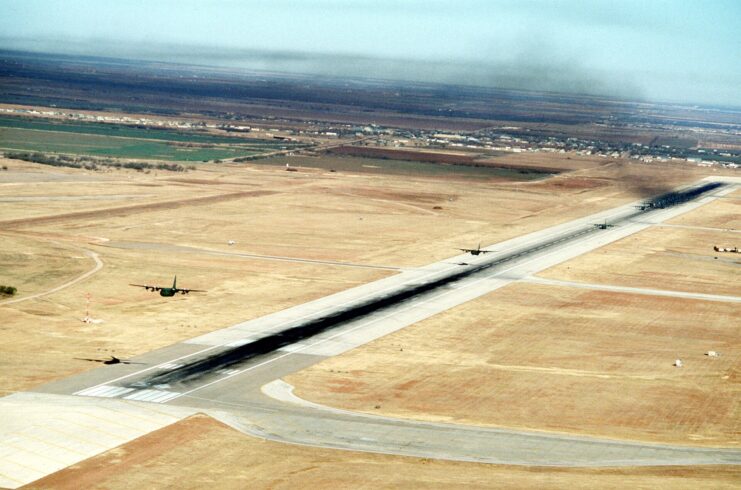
(559, 162)
(546, 162)
(638, 180)
(127, 210)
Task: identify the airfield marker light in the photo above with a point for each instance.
(86, 319)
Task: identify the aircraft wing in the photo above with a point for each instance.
(146, 286)
(185, 290)
(467, 249)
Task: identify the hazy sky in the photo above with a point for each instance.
(680, 50)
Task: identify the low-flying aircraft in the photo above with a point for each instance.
(651, 205)
(112, 360)
(603, 226)
(475, 251)
(167, 292)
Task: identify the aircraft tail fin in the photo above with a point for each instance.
(174, 282)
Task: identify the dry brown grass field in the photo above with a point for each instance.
(183, 456)
(54, 217)
(20, 258)
(145, 228)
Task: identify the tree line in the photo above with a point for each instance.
(89, 163)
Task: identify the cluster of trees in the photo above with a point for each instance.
(89, 163)
(7, 290)
(141, 166)
(54, 160)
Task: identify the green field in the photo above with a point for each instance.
(110, 140)
(402, 167)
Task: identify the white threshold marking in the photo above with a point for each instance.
(227, 371)
(153, 396)
(240, 342)
(295, 347)
(170, 366)
(105, 391)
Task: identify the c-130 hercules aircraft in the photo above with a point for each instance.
(167, 292)
(475, 251)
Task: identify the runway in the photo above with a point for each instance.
(207, 373)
